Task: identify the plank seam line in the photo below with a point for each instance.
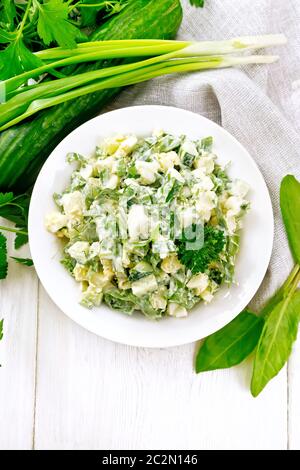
(36, 364)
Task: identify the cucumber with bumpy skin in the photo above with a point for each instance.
(25, 147)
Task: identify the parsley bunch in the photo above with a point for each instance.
(31, 25)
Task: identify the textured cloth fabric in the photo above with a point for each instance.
(259, 105)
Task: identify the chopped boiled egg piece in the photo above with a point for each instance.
(175, 310)
(231, 223)
(207, 296)
(94, 250)
(189, 147)
(73, 204)
(204, 182)
(107, 268)
(79, 251)
(168, 160)
(55, 221)
(98, 280)
(239, 188)
(87, 171)
(199, 282)
(144, 285)
(80, 272)
(176, 175)
(205, 203)
(108, 163)
(188, 216)
(171, 264)
(233, 205)
(206, 164)
(147, 171)
(128, 144)
(112, 182)
(138, 222)
(158, 302)
(111, 144)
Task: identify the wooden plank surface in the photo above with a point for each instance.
(18, 307)
(95, 394)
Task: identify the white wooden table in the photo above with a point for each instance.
(64, 388)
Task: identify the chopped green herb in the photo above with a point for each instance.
(207, 143)
(188, 159)
(175, 188)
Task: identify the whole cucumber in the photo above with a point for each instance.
(25, 147)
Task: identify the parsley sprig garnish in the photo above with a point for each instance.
(198, 260)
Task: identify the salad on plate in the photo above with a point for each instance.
(150, 224)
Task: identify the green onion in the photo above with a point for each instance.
(166, 57)
(90, 56)
(92, 51)
(123, 79)
(203, 47)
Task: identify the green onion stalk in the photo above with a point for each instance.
(165, 57)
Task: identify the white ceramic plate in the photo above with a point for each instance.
(256, 244)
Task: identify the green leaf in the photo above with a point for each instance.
(6, 36)
(90, 9)
(25, 261)
(15, 209)
(21, 239)
(3, 257)
(1, 328)
(7, 14)
(290, 208)
(275, 344)
(281, 293)
(197, 3)
(89, 13)
(53, 24)
(5, 198)
(230, 345)
(16, 59)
